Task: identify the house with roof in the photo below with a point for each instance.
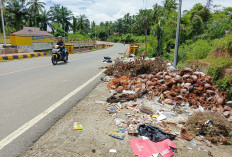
(33, 32)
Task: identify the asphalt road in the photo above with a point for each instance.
(30, 86)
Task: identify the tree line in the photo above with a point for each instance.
(32, 13)
(156, 27)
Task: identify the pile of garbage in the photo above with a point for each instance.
(162, 103)
(175, 88)
(135, 66)
(210, 126)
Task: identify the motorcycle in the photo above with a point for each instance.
(57, 55)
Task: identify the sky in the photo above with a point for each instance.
(111, 10)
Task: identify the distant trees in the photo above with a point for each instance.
(35, 7)
(16, 13)
(156, 27)
(32, 13)
(83, 23)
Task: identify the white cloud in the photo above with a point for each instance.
(110, 10)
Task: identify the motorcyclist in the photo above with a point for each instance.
(61, 45)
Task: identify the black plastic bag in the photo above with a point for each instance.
(155, 134)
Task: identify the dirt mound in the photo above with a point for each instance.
(198, 65)
(226, 72)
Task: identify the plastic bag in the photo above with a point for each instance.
(155, 134)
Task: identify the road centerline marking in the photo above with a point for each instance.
(7, 140)
(35, 67)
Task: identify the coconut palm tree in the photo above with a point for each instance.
(35, 7)
(74, 25)
(66, 16)
(61, 15)
(16, 12)
(83, 23)
(143, 21)
(44, 20)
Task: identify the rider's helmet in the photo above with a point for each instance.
(59, 37)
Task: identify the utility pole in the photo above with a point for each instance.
(3, 25)
(177, 34)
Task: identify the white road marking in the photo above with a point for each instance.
(35, 120)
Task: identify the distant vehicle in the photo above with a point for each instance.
(57, 55)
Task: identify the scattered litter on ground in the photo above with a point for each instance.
(185, 135)
(157, 103)
(117, 135)
(147, 148)
(107, 60)
(166, 98)
(213, 126)
(154, 133)
(111, 110)
(100, 102)
(193, 143)
(189, 148)
(77, 126)
(112, 151)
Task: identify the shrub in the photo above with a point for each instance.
(217, 66)
(223, 44)
(225, 84)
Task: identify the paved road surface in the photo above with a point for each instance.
(30, 86)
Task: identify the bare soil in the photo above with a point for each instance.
(221, 53)
(198, 65)
(62, 141)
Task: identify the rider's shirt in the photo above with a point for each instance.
(61, 43)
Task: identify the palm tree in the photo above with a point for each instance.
(158, 18)
(35, 8)
(44, 20)
(143, 20)
(74, 26)
(83, 23)
(54, 12)
(66, 16)
(62, 16)
(170, 5)
(16, 12)
(119, 26)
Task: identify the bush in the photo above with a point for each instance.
(225, 84)
(198, 50)
(217, 66)
(80, 35)
(223, 44)
(191, 51)
(217, 28)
